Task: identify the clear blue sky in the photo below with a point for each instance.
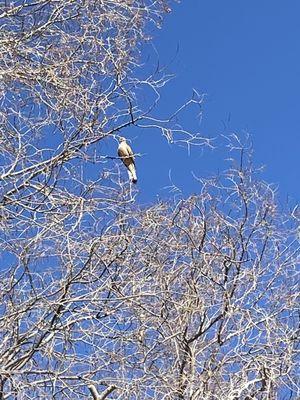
(245, 55)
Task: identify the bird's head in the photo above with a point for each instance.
(122, 139)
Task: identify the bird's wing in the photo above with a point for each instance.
(122, 151)
(125, 150)
(129, 151)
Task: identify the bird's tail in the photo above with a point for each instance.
(132, 173)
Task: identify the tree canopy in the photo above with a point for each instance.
(187, 298)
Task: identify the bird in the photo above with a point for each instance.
(126, 154)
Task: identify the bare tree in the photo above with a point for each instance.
(187, 299)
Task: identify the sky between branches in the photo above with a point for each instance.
(245, 56)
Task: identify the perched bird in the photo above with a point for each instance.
(126, 153)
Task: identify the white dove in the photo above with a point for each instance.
(126, 154)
